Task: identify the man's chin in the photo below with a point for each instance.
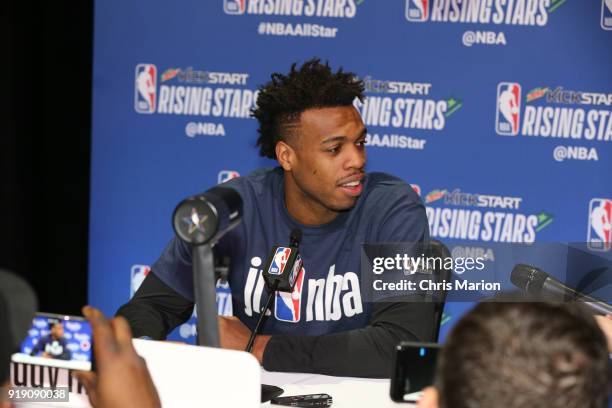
(345, 205)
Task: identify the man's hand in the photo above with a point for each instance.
(235, 335)
(122, 378)
(605, 323)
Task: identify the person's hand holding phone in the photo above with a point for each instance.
(121, 378)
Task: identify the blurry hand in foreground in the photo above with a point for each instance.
(605, 323)
(121, 378)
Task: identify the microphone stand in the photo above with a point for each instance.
(205, 291)
(262, 317)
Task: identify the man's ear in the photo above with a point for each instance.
(285, 155)
(429, 399)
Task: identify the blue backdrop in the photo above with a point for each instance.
(499, 112)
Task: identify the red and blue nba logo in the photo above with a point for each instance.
(606, 14)
(138, 275)
(234, 6)
(599, 237)
(416, 188)
(417, 10)
(287, 306)
(508, 109)
(145, 99)
(277, 266)
(225, 175)
(297, 267)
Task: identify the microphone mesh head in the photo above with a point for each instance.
(528, 278)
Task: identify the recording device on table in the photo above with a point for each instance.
(310, 400)
(414, 367)
(58, 341)
(536, 282)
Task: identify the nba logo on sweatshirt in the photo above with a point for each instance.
(287, 305)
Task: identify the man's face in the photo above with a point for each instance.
(330, 156)
(57, 331)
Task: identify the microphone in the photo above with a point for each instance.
(280, 274)
(536, 282)
(206, 217)
(201, 221)
(284, 265)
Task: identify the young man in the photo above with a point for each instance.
(54, 344)
(309, 125)
(526, 355)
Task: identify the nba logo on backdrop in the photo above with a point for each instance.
(138, 275)
(508, 108)
(599, 237)
(225, 175)
(287, 305)
(145, 88)
(417, 10)
(234, 6)
(606, 14)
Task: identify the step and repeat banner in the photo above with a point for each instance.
(497, 112)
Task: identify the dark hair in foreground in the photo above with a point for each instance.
(527, 355)
(281, 101)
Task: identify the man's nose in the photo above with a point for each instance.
(356, 158)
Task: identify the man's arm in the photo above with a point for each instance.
(38, 347)
(156, 309)
(366, 352)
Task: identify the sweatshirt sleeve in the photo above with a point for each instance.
(156, 309)
(366, 352)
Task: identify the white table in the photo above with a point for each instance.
(347, 392)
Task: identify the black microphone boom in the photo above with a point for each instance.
(201, 221)
(536, 282)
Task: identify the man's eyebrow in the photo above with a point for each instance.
(334, 139)
(343, 138)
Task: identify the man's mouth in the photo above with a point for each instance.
(353, 188)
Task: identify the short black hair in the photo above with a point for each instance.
(528, 354)
(281, 101)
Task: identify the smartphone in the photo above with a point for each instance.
(310, 400)
(414, 366)
(58, 341)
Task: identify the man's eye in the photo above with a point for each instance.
(334, 149)
(361, 143)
